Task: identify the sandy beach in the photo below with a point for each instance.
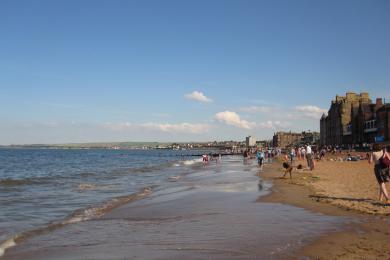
(337, 188)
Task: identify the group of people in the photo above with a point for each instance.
(302, 153)
(379, 156)
(381, 159)
(265, 154)
(211, 157)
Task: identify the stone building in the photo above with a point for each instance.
(364, 123)
(352, 120)
(285, 139)
(337, 127)
(310, 137)
(383, 123)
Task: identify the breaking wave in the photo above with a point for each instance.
(192, 162)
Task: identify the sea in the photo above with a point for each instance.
(154, 204)
(43, 187)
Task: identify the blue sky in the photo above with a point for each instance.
(83, 71)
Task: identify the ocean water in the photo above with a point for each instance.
(40, 188)
(154, 204)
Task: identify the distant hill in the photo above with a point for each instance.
(112, 145)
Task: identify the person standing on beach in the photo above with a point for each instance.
(309, 157)
(297, 153)
(292, 155)
(303, 153)
(322, 153)
(380, 171)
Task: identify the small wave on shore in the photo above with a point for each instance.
(174, 178)
(5, 245)
(187, 162)
(96, 212)
(78, 216)
(192, 162)
(83, 187)
(86, 186)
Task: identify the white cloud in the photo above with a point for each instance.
(179, 128)
(198, 96)
(298, 112)
(232, 118)
(187, 128)
(260, 109)
(274, 125)
(310, 111)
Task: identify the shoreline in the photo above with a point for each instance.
(367, 236)
(190, 220)
(191, 217)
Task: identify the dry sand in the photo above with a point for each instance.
(338, 188)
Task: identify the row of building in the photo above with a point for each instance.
(286, 139)
(354, 119)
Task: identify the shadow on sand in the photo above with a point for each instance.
(370, 201)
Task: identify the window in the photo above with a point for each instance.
(370, 124)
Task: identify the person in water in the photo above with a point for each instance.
(205, 159)
(260, 158)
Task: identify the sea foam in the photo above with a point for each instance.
(6, 244)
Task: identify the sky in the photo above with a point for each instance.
(105, 71)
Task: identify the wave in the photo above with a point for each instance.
(158, 167)
(86, 186)
(174, 178)
(76, 217)
(192, 162)
(10, 182)
(96, 212)
(39, 180)
(142, 169)
(20, 182)
(6, 244)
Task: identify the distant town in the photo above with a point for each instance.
(280, 139)
(353, 120)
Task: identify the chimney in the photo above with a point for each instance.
(379, 102)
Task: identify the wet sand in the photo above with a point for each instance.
(337, 188)
(210, 214)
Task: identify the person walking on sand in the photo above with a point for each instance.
(380, 171)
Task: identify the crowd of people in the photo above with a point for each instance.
(263, 155)
(304, 153)
(379, 156)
